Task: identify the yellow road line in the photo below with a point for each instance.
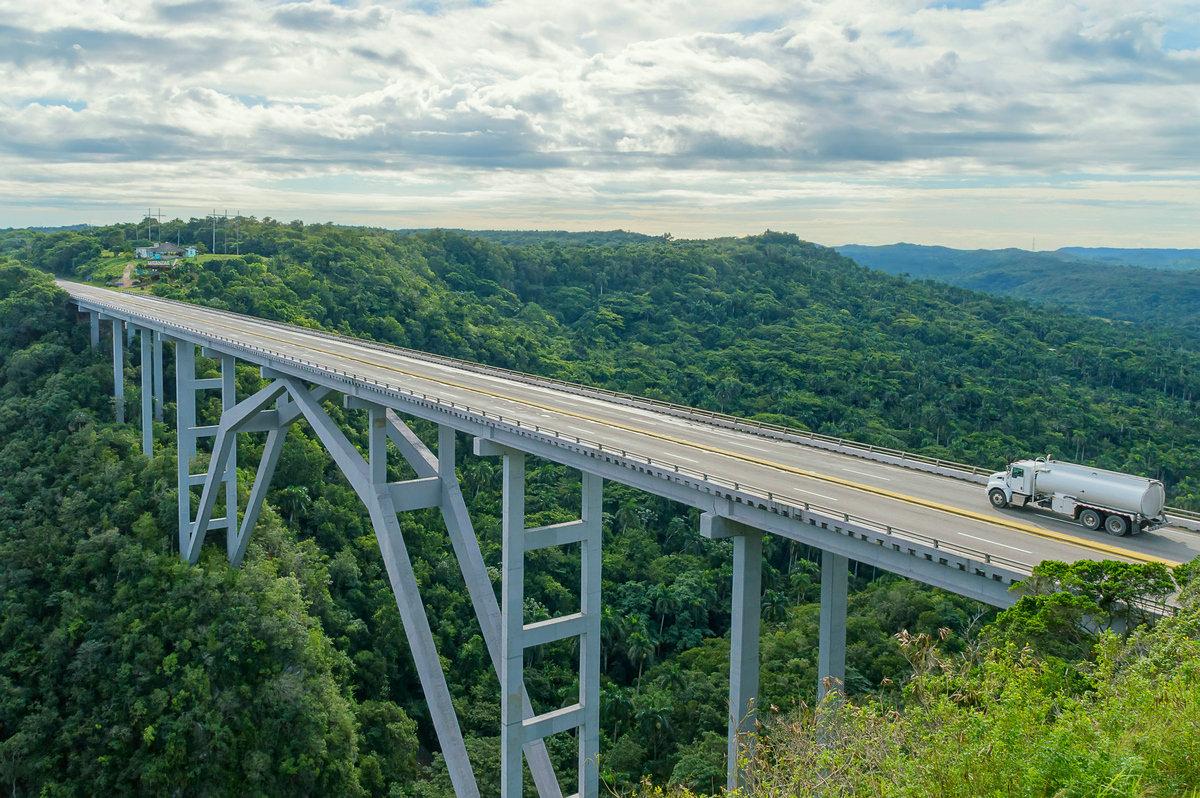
(1029, 529)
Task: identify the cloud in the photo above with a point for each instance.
(576, 100)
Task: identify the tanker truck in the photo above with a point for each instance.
(1121, 503)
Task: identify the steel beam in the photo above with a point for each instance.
(831, 656)
(147, 393)
(118, 354)
(364, 478)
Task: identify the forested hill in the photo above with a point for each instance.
(123, 671)
(1155, 289)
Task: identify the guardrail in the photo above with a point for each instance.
(633, 458)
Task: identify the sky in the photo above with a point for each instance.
(967, 123)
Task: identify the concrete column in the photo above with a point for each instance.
(158, 376)
(147, 410)
(129, 333)
(589, 648)
(94, 328)
(228, 400)
(512, 610)
(185, 421)
(118, 371)
(744, 643)
(831, 657)
(377, 444)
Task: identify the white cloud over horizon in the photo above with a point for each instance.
(964, 123)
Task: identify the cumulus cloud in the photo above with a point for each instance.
(602, 108)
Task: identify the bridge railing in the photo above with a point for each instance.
(943, 466)
(632, 457)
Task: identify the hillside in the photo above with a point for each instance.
(768, 326)
(1148, 258)
(1157, 289)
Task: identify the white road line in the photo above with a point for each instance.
(867, 474)
(994, 543)
(811, 493)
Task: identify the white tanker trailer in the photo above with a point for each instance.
(1121, 503)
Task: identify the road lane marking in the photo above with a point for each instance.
(994, 543)
(867, 474)
(878, 491)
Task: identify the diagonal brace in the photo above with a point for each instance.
(474, 571)
(232, 421)
(375, 494)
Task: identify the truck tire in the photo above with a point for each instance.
(997, 498)
(1090, 518)
(1117, 526)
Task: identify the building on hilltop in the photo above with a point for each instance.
(164, 250)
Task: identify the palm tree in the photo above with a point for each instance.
(639, 647)
(293, 500)
(774, 605)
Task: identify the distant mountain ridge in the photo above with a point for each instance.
(1166, 297)
(1148, 258)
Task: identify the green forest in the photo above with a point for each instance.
(1153, 289)
(123, 671)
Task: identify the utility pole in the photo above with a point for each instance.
(214, 232)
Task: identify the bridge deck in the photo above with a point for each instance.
(941, 507)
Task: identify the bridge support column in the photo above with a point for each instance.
(831, 657)
(158, 376)
(744, 630)
(147, 393)
(118, 371)
(185, 435)
(470, 560)
(228, 401)
(94, 328)
(369, 480)
(517, 727)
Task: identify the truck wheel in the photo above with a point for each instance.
(1116, 525)
(997, 498)
(1090, 518)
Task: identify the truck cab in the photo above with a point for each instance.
(1017, 480)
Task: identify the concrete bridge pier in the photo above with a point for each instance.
(147, 392)
(831, 656)
(94, 328)
(158, 375)
(118, 371)
(745, 624)
(744, 632)
(518, 726)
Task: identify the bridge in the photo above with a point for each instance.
(922, 518)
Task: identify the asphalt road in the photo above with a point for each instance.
(951, 510)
